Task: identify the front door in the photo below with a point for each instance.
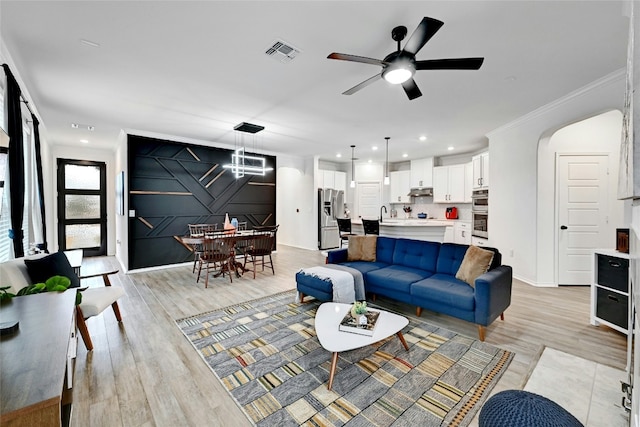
(582, 214)
(82, 206)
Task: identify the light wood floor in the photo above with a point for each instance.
(144, 372)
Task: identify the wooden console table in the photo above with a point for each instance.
(35, 361)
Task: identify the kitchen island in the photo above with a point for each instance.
(431, 230)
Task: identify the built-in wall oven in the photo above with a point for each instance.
(480, 213)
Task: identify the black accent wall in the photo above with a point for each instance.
(173, 184)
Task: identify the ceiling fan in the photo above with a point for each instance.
(399, 67)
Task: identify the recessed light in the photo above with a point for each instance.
(450, 148)
(84, 141)
(374, 148)
(369, 161)
(91, 128)
(74, 125)
(338, 155)
(511, 78)
(423, 138)
(405, 155)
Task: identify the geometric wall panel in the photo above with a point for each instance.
(172, 184)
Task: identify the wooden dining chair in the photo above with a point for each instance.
(200, 230)
(218, 255)
(261, 247)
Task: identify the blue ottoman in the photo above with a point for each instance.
(517, 408)
(313, 286)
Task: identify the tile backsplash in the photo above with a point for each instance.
(436, 210)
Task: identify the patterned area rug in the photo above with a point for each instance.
(268, 357)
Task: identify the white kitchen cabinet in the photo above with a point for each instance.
(340, 181)
(468, 182)
(332, 179)
(399, 184)
(449, 184)
(462, 232)
(422, 172)
(448, 235)
(480, 171)
(479, 241)
(328, 179)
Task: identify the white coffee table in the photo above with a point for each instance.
(328, 318)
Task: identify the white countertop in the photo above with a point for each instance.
(413, 222)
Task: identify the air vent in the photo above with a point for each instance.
(282, 51)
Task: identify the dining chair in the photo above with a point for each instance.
(200, 230)
(262, 245)
(242, 225)
(95, 299)
(344, 228)
(371, 226)
(217, 252)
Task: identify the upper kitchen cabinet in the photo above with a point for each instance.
(422, 172)
(399, 184)
(468, 182)
(340, 181)
(449, 184)
(480, 171)
(333, 179)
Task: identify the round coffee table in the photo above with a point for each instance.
(329, 316)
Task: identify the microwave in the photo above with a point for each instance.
(480, 201)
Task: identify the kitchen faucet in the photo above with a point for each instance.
(385, 211)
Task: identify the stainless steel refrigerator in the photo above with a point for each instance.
(330, 207)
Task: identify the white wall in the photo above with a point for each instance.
(513, 152)
(297, 201)
(122, 222)
(599, 134)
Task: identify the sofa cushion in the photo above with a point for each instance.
(364, 266)
(450, 258)
(384, 249)
(51, 265)
(476, 262)
(362, 248)
(416, 254)
(446, 290)
(396, 277)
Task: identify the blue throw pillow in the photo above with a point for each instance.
(55, 264)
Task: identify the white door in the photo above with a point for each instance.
(368, 200)
(582, 214)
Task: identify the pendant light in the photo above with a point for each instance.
(386, 163)
(353, 175)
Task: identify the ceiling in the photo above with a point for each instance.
(194, 70)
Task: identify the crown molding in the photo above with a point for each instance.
(603, 81)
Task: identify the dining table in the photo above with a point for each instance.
(238, 236)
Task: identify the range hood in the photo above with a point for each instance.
(421, 191)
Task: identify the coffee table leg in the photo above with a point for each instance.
(332, 371)
(404, 343)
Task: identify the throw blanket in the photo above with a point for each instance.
(347, 283)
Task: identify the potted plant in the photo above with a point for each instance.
(358, 311)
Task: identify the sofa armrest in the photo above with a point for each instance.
(336, 256)
(493, 294)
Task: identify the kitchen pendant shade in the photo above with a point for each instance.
(353, 173)
(386, 180)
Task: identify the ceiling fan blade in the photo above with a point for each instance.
(355, 58)
(422, 34)
(450, 64)
(411, 89)
(362, 85)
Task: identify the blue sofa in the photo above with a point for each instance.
(423, 274)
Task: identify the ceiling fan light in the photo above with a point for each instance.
(398, 74)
